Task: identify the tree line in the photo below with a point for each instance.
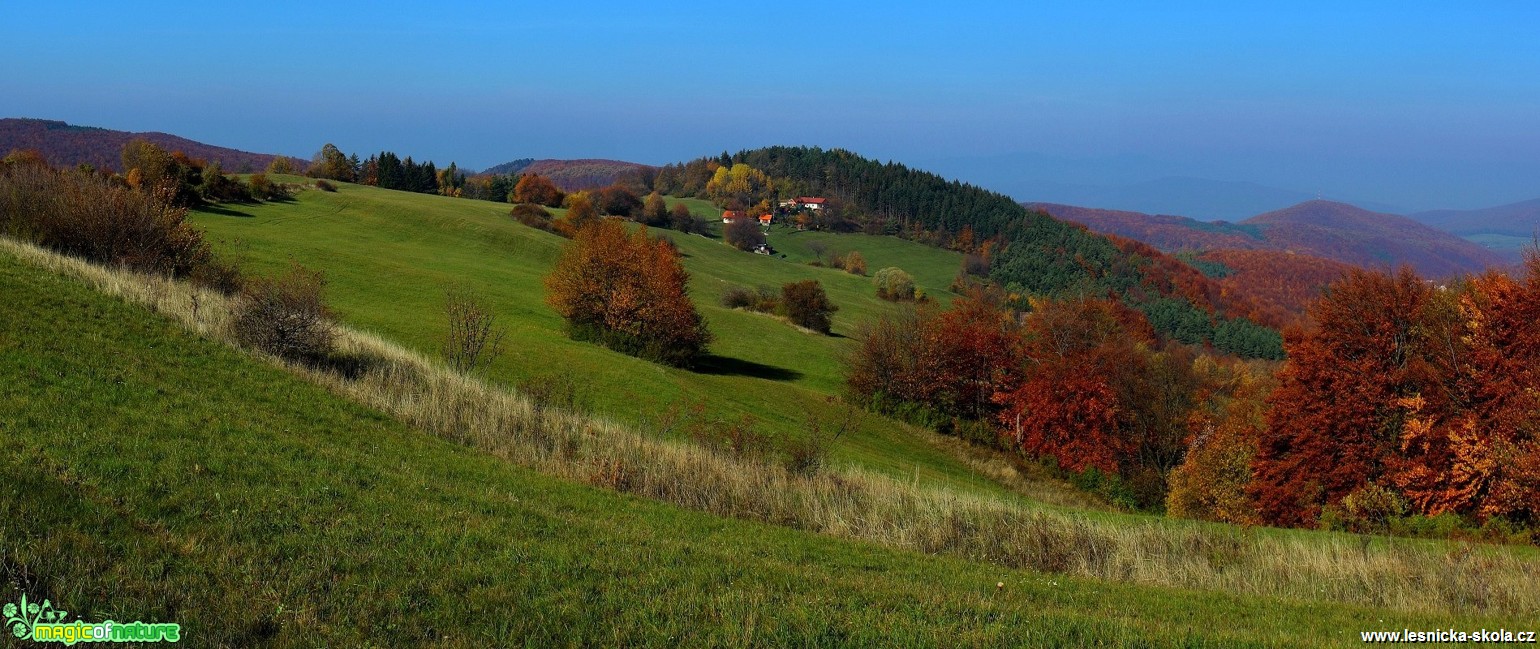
(1404, 406)
(1026, 252)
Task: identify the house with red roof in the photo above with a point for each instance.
(811, 202)
(729, 216)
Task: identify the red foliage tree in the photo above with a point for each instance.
(1079, 354)
(1336, 417)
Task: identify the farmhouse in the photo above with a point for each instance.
(764, 220)
(810, 202)
(729, 216)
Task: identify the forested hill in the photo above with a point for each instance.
(1028, 251)
(67, 145)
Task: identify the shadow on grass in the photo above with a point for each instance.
(725, 366)
(224, 210)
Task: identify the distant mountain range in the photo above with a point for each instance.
(572, 175)
(66, 145)
(1505, 228)
(1198, 198)
(1326, 229)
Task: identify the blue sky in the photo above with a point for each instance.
(1414, 104)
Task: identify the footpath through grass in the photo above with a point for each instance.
(148, 474)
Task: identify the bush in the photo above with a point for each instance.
(894, 284)
(1370, 509)
(744, 234)
(263, 189)
(533, 216)
(740, 439)
(806, 305)
(285, 316)
(626, 291)
(763, 300)
(325, 185)
(854, 263)
(218, 275)
(86, 215)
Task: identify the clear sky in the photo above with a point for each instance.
(1408, 103)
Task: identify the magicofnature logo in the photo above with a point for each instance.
(44, 623)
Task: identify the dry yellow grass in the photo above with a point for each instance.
(844, 502)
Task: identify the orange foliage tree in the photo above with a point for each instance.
(627, 292)
(537, 189)
(1429, 392)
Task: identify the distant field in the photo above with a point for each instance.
(197, 485)
(389, 256)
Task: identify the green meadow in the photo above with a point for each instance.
(389, 257)
(152, 474)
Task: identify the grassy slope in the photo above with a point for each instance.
(186, 482)
(389, 255)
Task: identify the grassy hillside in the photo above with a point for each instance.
(189, 482)
(389, 256)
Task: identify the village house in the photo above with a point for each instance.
(810, 202)
(765, 219)
(728, 216)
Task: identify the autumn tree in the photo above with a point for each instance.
(739, 183)
(580, 214)
(1212, 481)
(616, 200)
(537, 189)
(854, 263)
(1068, 406)
(655, 211)
(331, 163)
(950, 363)
(1342, 402)
(626, 291)
(680, 218)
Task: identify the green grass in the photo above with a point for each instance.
(932, 268)
(151, 474)
(389, 256)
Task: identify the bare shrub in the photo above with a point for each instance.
(808, 454)
(325, 185)
(557, 391)
(739, 438)
(473, 339)
(285, 316)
